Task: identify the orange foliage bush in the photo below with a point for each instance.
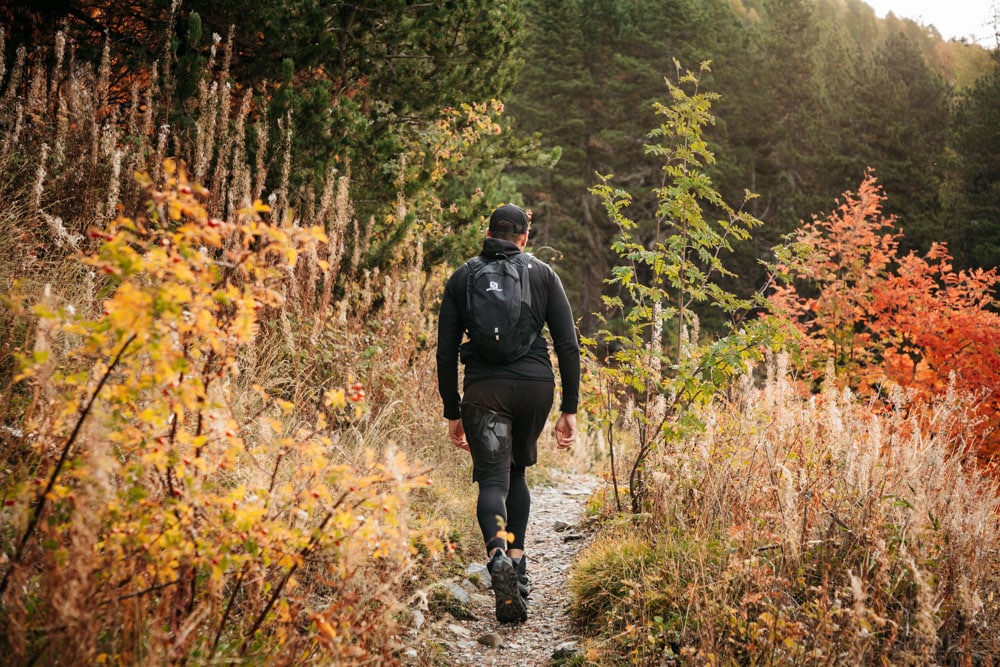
(886, 320)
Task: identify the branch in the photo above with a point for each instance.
(63, 457)
(288, 575)
(151, 589)
(229, 608)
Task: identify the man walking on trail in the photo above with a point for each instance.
(502, 299)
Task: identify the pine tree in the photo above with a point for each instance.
(975, 194)
(902, 129)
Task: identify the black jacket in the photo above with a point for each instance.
(549, 306)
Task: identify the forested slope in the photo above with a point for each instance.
(813, 93)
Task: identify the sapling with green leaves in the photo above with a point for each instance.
(658, 367)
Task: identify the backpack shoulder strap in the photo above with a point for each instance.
(473, 265)
(524, 259)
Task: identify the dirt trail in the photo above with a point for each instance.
(554, 539)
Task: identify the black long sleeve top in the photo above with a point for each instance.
(549, 306)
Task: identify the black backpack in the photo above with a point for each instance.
(498, 307)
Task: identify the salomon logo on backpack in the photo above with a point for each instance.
(499, 308)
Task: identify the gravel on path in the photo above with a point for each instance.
(555, 536)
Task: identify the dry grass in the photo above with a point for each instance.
(803, 531)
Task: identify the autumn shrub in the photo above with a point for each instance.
(158, 524)
(886, 320)
(803, 530)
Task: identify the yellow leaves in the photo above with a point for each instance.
(182, 499)
(335, 399)
(175, 209)
(315, 460)
(326, 631)
(247, 516)
(191, 396)
(205, 325)
(130, 307)
(60, 492)
(176, 294)
(244, 321)
(155, 458)
(30, 363)
(320, 492)
(390, 512)
(317, 234)
(217, 575)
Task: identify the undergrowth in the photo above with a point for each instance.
(216, 433)
(798, 531)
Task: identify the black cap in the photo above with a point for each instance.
(509, 219)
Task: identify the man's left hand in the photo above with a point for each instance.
(457, 434)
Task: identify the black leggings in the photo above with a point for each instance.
(502, 421)
(499, 504)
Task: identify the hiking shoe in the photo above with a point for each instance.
(524, 585)
(510, 604)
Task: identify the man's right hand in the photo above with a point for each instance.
(565, 430)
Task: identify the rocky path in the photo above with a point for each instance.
(555, 537)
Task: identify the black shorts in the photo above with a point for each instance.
(502, 421)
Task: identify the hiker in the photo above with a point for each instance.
(501, 299)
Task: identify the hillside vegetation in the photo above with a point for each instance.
(192, 467)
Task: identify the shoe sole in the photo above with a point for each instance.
(510, 605)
